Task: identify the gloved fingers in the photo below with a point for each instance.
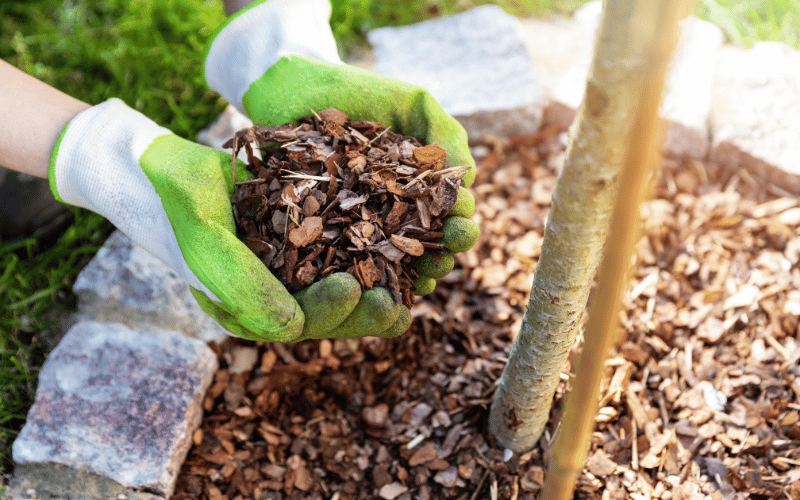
(435, 266)
(193, 183)
(400, 326)
(424, 285)
(465, 204)
(469, 176)
(375, 312)
(444, 130)
(327, 303)
(254, 304)
(223, 316)
(460, 234)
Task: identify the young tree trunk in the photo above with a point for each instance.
(657, 35)
(574, 236)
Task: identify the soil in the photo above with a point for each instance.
(703, 393)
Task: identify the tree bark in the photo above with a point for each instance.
(575, 234)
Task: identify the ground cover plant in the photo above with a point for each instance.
(148, 52)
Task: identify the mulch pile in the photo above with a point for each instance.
(703, 394)
(333, 195)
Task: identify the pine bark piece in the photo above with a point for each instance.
(308, 231)
(370, 274)
(333, 115)
(428, 155)
(408, 245)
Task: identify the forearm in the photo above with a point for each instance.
(33, 116)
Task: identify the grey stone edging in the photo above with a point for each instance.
(115, 408)
(474, 63)
(125, 284)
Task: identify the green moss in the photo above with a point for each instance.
(147, 53)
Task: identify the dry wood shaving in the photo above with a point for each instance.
(702, 398)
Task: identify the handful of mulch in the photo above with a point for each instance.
(336, 195)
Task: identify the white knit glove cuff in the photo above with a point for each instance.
(255, 40)
(97, 167)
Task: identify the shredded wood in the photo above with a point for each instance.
(336, 195)
(702, 398)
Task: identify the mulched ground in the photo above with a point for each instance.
(703, 398)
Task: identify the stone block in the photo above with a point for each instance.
(115, 410)
(688, 89)
(556, 44)
(126, 284)
(474, 63)
(563, 50)
(755, 118)
(55, 481)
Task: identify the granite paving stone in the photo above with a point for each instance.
(755, 118)
(115, 404)
(126, 284)
(474, 63)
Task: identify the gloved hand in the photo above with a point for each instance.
(172, 197)
(277, 60)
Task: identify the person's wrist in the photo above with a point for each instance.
(107, 136)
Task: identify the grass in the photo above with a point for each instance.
(745, 22)
(33, 285)
(149, 54)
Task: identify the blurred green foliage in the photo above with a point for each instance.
(147, 53)
(745, 22)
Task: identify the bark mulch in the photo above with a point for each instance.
(333, 195)
(703, 394)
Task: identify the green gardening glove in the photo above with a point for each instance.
(172, 197)
(287, 65)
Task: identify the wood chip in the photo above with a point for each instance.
(407, 245)
(350, 408)
(309, 230)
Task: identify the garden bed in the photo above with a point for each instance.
(703, 395)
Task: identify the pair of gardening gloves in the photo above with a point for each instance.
(275, 60)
